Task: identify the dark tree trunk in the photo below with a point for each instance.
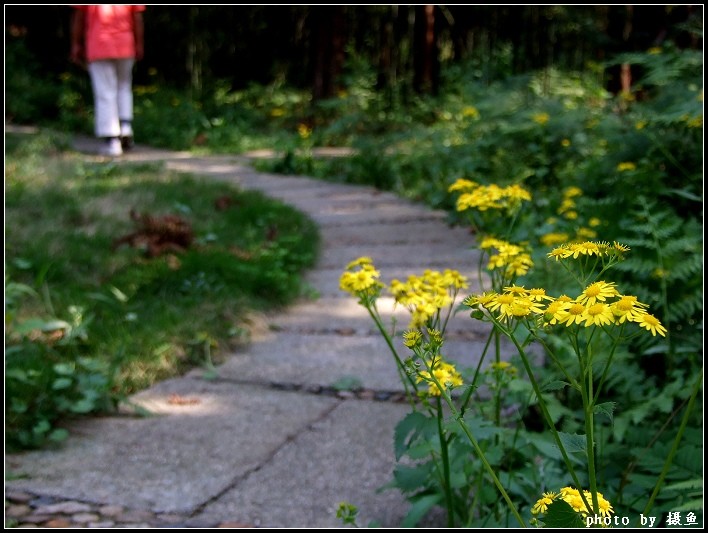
(329, 37)
(425, 51)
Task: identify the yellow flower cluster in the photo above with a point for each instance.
(589, 248)
(541, 118)
(470, 112)
(424, 296)
(361, 278)
(626, 166)
(600, 304)
(484, 197)
(303, 130)
(513, 258)
(572, 497)
(567, 207)
(445, 374)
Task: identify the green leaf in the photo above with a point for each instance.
(61, 383)
(406, 430)
(419, 508)
(561, 514)
(573, 443)
(119, 295)
(411, 478)
(621, 423)
(686, 485)
(554, 385)
(606, 409)
(67, 369)
(58, 435)
(83, 406)
(691, 505)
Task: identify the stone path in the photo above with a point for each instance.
(270, 442)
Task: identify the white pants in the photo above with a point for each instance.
(112, 82)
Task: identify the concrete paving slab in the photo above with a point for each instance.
(207, 437)
(342, 313)
(397, 233)
(436, 256)
(326, 359)
(345, 456)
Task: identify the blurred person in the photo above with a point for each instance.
(108, 39)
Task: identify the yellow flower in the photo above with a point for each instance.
(549, 239)
(304, 131)
(554, 308)
(446, 375)
(605, 506)
(625, 166)
(627, 308)
(470, 111)
(599, 314)
(598, 291)
(651, 324)
(565, 143)
(585, 233)
(695, 122)
(571, 192)
(538, 295)
(361, 261)
(573, 314)
(541, 118)
(360, 278)
(412, 338)
(541, 506)
(462, 185)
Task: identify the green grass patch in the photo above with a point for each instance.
(90, 304)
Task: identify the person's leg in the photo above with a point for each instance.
(105, 95)
(125, 100)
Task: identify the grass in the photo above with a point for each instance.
(152, 317)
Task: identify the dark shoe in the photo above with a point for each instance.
(126, 143)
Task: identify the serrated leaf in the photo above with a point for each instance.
(606, 409)
(573, 443)
(411, 478)
(561, 514)
(686, 485)
(619, 427)
(419, 508)
(554, 385)
(691, 505)
(406, 430)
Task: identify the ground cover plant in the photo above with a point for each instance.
(118, 276)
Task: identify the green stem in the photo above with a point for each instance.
(466, 430)
(497, 395)
(590, 436)
(446, 465)
(674, 448)
(544, 411)
(405, 377)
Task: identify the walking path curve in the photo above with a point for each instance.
(270, 442)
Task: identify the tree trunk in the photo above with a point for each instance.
(328, 31)
(425, 51)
